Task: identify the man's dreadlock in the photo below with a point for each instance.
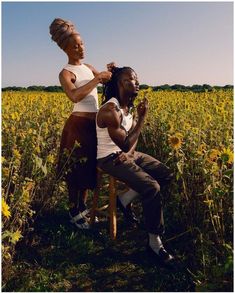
(110, 89)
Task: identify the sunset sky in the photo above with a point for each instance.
(165, 42)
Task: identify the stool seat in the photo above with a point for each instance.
(112, 186)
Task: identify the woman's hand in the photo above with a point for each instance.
(104, 76)
(142, 108)
(111, 65)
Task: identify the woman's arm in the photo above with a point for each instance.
(94, 71)
(77, 94)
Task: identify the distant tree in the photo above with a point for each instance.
(228, 87)
(165, 87)
(144, 87)
(179, 87)
(53, 89)
(197, 88)
(14, 88)
(155, 88)
(34, 88)
(217, 87)
(207, 87)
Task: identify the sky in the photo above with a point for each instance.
(164, 42)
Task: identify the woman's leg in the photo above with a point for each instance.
(83, 195)
(73, 199)
(77, 198)
(77, 206)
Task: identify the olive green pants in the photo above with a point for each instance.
(145, 175)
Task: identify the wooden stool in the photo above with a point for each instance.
(112, 186)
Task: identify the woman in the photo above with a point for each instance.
(77, 158)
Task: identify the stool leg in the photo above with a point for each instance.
(95, 198)
(112, 208)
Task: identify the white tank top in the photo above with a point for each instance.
(83, 75)
(105, 145)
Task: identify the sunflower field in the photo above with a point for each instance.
(192, 133)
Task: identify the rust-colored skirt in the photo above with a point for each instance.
(78, 150)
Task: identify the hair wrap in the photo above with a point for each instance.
(61, 30)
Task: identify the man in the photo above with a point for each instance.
(117, 137)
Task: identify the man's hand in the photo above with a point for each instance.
(142, 108)
(122, 157)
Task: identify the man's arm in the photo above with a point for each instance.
(131, 151)
(122, 157)
(110, 118)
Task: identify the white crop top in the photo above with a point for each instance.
(105, 145)
(83, 75)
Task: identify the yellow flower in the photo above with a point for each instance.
(186, 126)
(16, 154)
(15, 116)
(25, 195)
(5, 172)
(147, 92)
(227, 156)
(37, 149)
(208, 118)
(213, 155)
(50, 159)
(5, 209)
(16, 236)
(215, 169)
(3, 159)
(5, 252)
(201, 149)
(195, 130)
(175, 141)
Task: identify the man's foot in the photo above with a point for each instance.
(79, 218)
(163, 257)
(127, 212)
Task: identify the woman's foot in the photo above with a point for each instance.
(79, 218)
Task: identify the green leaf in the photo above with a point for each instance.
(44, 169)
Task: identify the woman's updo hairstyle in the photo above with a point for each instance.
(61, 30)
(110, 89)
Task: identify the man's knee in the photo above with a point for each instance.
(152, 191)
(167, 176)
(170, 176)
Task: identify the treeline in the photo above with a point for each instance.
(165, 87)
(34, 88)
(183, 88)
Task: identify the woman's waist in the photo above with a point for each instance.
(90, 115)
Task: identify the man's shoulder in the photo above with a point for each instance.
(110, 107)
(109, 115)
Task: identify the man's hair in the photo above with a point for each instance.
(110, 89)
